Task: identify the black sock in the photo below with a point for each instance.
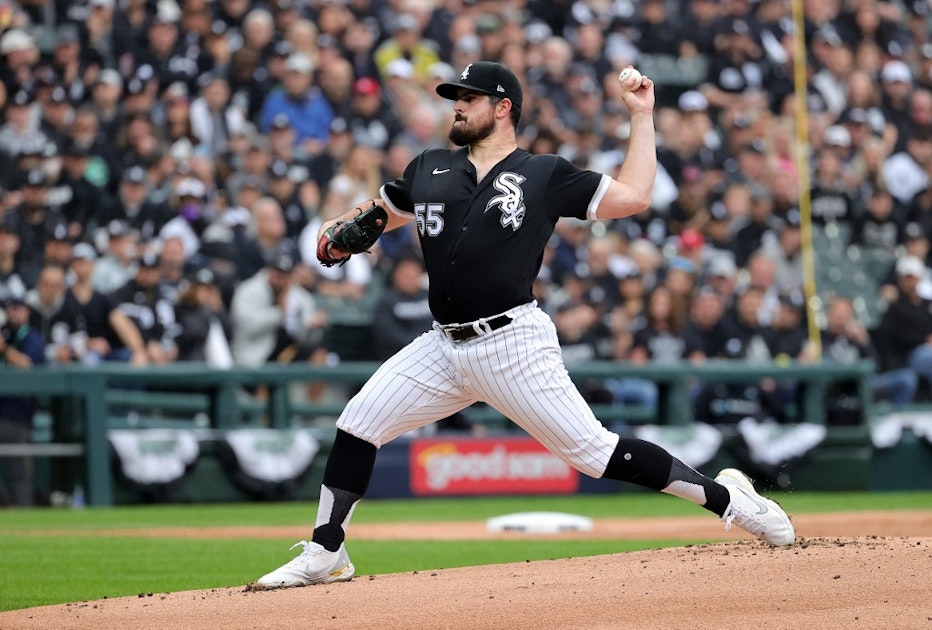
(330, 535)
(649, 465)
(350, 463)
(639, 462)
(346, 478)
(685, 482)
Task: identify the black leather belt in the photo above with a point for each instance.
(466, 332)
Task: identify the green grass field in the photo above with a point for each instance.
(39, 567)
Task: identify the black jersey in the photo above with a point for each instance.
(483, 243)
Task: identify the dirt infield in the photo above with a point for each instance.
(857, 570)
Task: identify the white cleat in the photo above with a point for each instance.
(315, 565)
(753, 513)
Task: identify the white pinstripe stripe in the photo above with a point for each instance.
(535, 391)
(411, 389)
(518, 370)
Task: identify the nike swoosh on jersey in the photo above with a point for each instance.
(438, 171)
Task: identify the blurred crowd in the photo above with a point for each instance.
(165, 166)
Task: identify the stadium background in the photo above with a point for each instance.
(201, 143)
(109, 140)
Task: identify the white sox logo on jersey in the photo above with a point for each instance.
(511, 201)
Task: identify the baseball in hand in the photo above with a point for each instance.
(630, 79)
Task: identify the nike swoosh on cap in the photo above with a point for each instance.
(438, 171)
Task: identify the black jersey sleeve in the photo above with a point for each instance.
(575, 192)
(397, 193)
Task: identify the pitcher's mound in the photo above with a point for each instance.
(869, 582)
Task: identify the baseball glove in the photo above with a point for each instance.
(355, 236)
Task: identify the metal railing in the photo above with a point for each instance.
(82, 398)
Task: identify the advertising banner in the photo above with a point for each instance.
(487, 466)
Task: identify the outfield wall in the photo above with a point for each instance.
(182, 433)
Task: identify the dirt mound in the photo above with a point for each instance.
(869, 582)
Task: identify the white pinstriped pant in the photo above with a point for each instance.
(518, 370)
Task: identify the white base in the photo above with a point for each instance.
(539, 523)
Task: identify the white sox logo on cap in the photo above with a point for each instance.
(485, 77)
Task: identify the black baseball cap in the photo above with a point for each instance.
(75, 149)
(57, 230)
(281, 121)
(9, 224)
(135, 86)
(282, 259)
(148, 261)
(278, 169)
(36, 178)
(118, 228)
(15, 299)
(135, 175)
(488, 78)
(203, 276)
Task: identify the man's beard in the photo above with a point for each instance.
(464, 135)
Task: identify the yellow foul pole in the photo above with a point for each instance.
(813, 304)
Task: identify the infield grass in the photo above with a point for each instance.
(40, 563)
